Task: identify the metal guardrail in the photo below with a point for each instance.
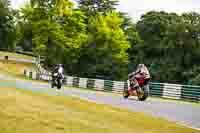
(164, 90)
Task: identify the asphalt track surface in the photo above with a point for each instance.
(183, 113)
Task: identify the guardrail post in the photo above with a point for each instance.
(37, 76)
(76, 81)
(108, 85)
(30, 75)
(6, 57)
(126, 85)
(25, 72)
(90, 83)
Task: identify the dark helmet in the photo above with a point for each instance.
(59, 65)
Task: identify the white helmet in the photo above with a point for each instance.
(140, 65)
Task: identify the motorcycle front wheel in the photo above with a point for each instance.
(142, 96)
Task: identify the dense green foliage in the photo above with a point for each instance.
(93, 7)
(105, 52)
(96, 40)
(7, 26)
(171, 45)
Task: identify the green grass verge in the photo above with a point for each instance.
(15, 68)
(30, 112)
(16, 55)
(22, 77)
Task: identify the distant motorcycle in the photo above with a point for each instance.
(57, 79)
(143, 95)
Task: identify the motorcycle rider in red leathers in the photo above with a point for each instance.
(141, 74)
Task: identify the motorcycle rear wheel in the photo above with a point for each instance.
(59, 84)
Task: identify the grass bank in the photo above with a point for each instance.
(15, 55)
(29, 112)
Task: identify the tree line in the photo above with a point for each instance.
(93, 39)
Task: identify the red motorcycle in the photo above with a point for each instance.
(142, 94)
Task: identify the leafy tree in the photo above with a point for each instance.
(105, 54)
(92, 7)
(57, 34)
(7, 26)
(95, 40)
(170, 42)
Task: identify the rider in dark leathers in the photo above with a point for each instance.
(58, 70)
